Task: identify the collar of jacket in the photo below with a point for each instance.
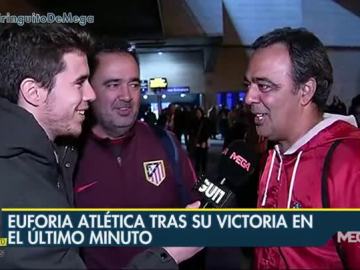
(329, 119)
(121, 140)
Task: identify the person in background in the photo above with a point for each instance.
(150, 116)
(125, 163)
(337, 106)
(180, 124)
(213, 117)
(199, 139)
(355, 109)
(170, 117)
(288, 81)
(223, 121)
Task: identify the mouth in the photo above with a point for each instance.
(259, 118)
(81, 111)
(122, 108)
(123, 111)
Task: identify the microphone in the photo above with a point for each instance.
(237, 164)
(214, 195)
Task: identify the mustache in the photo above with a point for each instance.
(118, 104)
(256, 109)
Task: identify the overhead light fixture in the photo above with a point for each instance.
(145, 96)
(182, 95)
(132, 47)
(163, 96)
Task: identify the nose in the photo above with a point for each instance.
(89, 94)
(252, 95)
(125, 92)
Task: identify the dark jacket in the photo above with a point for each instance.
(30, 178)
(67, 156)
(153, 259)
(132, 172)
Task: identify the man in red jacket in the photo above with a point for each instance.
(288, 81)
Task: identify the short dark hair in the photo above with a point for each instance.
(308, 57)
(36, 51)
(107, 45)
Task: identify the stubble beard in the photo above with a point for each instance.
(113, 128)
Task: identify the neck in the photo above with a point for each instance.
(311, 119)
(39, 120)
(48, 132)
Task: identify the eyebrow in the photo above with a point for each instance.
(81, 78)
(135, 80)
(255, 80)
(111, 81)
(262, 79)
(120, 80)
(258, 79)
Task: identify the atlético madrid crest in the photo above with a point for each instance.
(155, 171)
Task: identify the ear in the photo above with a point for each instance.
(307, 91)
(32, 93)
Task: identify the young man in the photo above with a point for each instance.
(288, 81)
(124, 162)
(44, 93)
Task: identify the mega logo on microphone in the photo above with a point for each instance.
(241, 161)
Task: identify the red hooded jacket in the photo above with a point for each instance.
(293, 180)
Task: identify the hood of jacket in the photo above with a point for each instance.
(328, 132)
(21, 133)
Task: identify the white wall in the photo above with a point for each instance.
(346, 64)
(180, 69)
(186, 69)
(334, 25)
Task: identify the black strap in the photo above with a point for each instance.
(173, 154)
(325, 196)
(325, 174)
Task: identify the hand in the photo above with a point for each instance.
(180, 254)
(195, 204)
